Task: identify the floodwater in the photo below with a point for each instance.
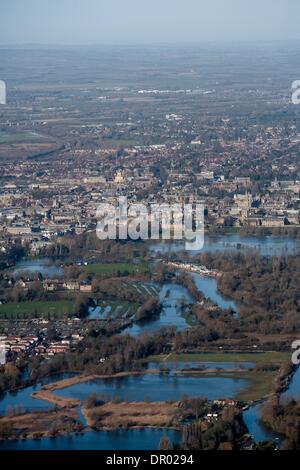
(135, 439)
(45, 266)
(157, 387)
(266, 245)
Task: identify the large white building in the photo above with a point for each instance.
(2, 353)
(2, 92)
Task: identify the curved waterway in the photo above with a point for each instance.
(255, 427)
(252, 415)
(293, 391)
(208, 286)
(172, 296)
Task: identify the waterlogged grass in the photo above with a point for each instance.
(36, 309)
(116, 268)
(190, 319)
(259, 384)
(117, 309)
(231, 230)
(145, 289)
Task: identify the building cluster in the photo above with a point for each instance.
(40, 202)
(18, 345)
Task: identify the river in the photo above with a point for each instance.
(252, 415)
(172, 296)
(293, 390)
(255, 427)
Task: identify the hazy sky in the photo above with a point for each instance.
(146, 21)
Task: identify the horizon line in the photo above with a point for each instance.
(152, 43)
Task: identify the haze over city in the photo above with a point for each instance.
(74, 22)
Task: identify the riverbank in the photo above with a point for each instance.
(41, 424)
(56, 400)
(69, 382)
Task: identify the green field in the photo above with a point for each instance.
(257, 358)
(258, 383)
(22, 137)
(116, 268)
(36, 309)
